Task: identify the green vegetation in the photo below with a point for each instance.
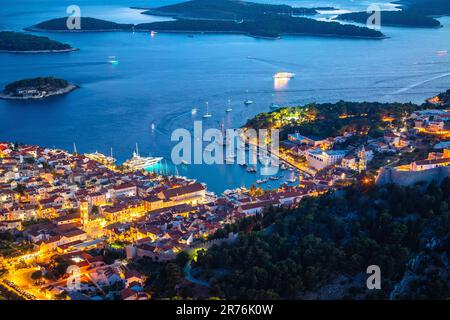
(11, 249)
(21, 42)
(271, 26)
(444, 97)
(87, 24)
(395, 18)
(332, 119)
(225, 10)
(332, 239)
(225, 16)
(40, 84)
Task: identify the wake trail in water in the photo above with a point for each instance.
(421, 83)
(274, 63)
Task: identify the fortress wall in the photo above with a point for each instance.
(406, 178)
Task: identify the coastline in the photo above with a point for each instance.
(213, 32)
(34, 29)
(60, 92)
(40, 51)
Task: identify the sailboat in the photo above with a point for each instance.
(229, 109)
(207, 114)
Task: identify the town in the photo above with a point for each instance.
(68, 217)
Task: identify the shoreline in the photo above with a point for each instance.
(60, 92)
(40, 51)
(214, 32)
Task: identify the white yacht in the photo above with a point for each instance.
(100, 157)
(138, 163)
(284, 75)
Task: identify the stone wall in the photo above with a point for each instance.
(406, 178)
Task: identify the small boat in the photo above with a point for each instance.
(251, 170)
(194, 111)
(274, 106)
(207, 114)
(283, 166)
(248, 102)
(153, 33)
(261, 181)
(229, 109)
(112, 60)
(184, 162)
(441, 52)
(152, 126)
(274, 178)
(292, 178)
(284, 75)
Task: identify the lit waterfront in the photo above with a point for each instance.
(160, 80)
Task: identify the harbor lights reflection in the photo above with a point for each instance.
(280, 83)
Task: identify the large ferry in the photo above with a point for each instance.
(138, 163)
(284, 75)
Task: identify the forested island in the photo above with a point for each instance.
(395, 18)
(86, 24)
(226, 10)
(17, 42)
(269, 27)
(36, 88)
(226, 16)
(428, 7)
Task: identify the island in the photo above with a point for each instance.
(226, 10)
(268, 25)
(16, 42)
(37, 88)
(435, 8)
(86, 23)
(407, 18)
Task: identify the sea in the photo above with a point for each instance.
(159, 80)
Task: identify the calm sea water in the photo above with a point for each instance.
(160, 80)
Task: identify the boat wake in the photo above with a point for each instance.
(412, 86)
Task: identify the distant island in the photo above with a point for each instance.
(87, 25)
(37, 88)
(271, 26)
(435, 8)
(395, 18)
(16, 42)
(227, 10)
